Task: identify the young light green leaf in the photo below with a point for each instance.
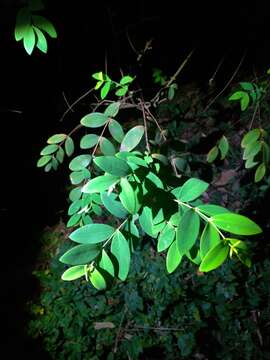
(238, 244)
(250, 137)
(237, 95)
(132, 138)
(29, 40)
(45, 25)
(41, 41)
(106, 264)
(212, 154)
(112, 165)
(252, 149)
(57, 138)
(113, 206)
(69, 146)
(260, 172)
(128, 197)
(88, 141)
(49, 149)
(120, 249)
(250, 163)
(187, 231)
(73, 273)
(97, 280)
(236, 224)
(98, 76)
(23, 21)
(209, 239)
(122, 91)
(212, 210)
(92, 233)
(223, 146)
(80, 254)
(116, 131)
(112, 109)
(80, 162)
(100, 184)
(166, 237)
(44, 160)
(192, 189)
(173, 258)
(94, 120)
(126, 80)
(105, 89)
(106, 147)
(215, 257)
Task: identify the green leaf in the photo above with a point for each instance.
(49, 149)
(250, 163)
(252, 149)
(94, 120)
(100, 184)
(92, 233)
(166, 237)
(187, 231)
(212, 154)
(73, 220)
(237, 95)
(80, 162)
(212, 210)
(54, 163)
(106, 264)
(266, 152)
(99, 84)
(112, 109)
(23, 22)
(106, 147)
(105, 89)
(122, 91)
(146, 221)
(60, 155)
(45, 25)
(223, 147)
(128, 197)
(113, 206)
(132, 138)
(98, 76)
(97, 280)
(76, 177)
(209, 239)
(126, 80)
(73, 273)
(120, 249)
(74, 207)
(29, 40)
(141, 162)
(69, 146)
(41, 41)
(236, 224)
(80, 254)
(192, 189)
(55, 139)
(48, 167)
(112, 165)
(155, 180)
(250, 137)
(173, 258)
(116, 131)
(44, 160)
(215, 257)
(88, 141)
(247, 86)
(238, 244)
(260, 172)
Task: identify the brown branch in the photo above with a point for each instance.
(119, 330)
(228, 83)
(158, 126)
(145, 126)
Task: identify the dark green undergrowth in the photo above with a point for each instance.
(221, 315)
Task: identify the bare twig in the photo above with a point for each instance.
(254, 114)
(135, 328)
(119, 330)
(212, 78)
(100, 137)
(69, 107)
(228, 83)
(158, 126)
(75, 103)
(145, 126)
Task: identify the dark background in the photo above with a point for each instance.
(32, 103)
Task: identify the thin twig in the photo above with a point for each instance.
(119, 330)
(69, 107)
(75, 103)
(155, 328)
(253, 116)
(228, 83)
(212, 78)
(145, 126)
(100, 137)
(158, 126)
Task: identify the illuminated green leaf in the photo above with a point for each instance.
(92, 233)
(215, 257)
(236, 224)
(120, 249)
(73, 273)
(173, 258)
(80, 254)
